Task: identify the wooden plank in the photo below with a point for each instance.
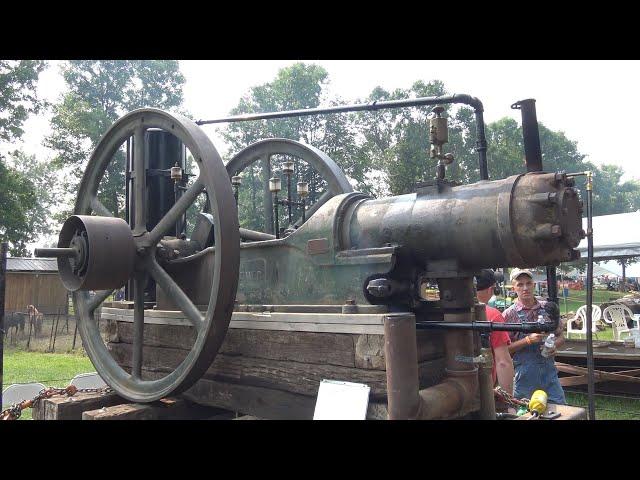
(284, 321)
(134, 411)
(264, 403)
(258, 401)
(71, 408)
(171, 408)
(295, 377)
(349, 350)
(600, 375)
(305, 347)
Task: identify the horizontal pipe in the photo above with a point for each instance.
(481, 142)
(247, 234)
(55, 252)
(527, 327)
(373, 106)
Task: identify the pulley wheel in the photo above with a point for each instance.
(210, 326)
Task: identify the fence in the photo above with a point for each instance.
(55, 332)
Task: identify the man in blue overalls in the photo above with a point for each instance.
(532, 370)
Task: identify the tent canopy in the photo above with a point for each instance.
(614, 236)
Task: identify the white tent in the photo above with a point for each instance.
(614, 236)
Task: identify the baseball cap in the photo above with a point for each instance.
(516, 272)
(485, 279)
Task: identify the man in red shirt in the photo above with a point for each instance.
(502, 363)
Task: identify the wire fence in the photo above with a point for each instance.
(54, 332)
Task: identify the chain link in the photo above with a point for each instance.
(15, 410)
(510, 399)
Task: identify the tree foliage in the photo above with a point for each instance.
(17, 199)
(18, 97)
(99, 92)
(299, 86)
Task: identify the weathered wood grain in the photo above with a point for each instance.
(71, 408)
(348, 350)
(289, 376)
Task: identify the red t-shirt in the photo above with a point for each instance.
(497, 339)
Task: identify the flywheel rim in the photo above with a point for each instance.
(213, 330)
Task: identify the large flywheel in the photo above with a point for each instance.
(99, 252)
(264, 150)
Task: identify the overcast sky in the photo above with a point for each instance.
(595, 103)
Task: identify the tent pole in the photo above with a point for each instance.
(590, 367)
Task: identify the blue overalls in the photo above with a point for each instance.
(535, 372)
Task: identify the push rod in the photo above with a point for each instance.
(481, 141)
(526, 327)
(590, 363)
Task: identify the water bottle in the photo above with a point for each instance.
(549, 343)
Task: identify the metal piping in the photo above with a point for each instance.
(455, 393)
(481, 141)
(533, 160)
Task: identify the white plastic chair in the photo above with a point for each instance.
(88, 380)
(20, 391)
(581, 315)
(617, 316)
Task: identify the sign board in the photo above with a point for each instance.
(341, 401)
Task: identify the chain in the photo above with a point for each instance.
(15, 410)
(510, 399)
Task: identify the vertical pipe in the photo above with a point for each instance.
(268, 202)
(481, 144)
(590, 366)
(289, 196)
(533, 160)
(139, 186)
(275, 218)
(530, 134)
(3, 278)
(401, 358)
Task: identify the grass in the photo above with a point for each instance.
(577, 298)
(50, 369)
(607, 408)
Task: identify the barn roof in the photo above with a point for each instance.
(19, 264)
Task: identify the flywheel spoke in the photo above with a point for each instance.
(138, 326)
(176, 294)
(99, 209)
(173, 215)
(96, 301)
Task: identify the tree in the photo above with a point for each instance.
(17, 198)
(100, 92)
(18, 97)
(42, 178)
(299, 86)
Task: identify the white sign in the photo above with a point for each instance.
(341, 401)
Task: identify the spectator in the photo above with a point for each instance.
(532, 370)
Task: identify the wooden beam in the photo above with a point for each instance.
(71, 408)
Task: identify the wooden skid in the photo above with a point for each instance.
(71, 408)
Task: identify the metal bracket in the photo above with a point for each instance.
(480, 359)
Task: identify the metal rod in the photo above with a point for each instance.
(289, 196)
(481, 141)
(304, 211)
(275, 217)
(3, 278)
(590, 366)
(56, 252)
(527, 327)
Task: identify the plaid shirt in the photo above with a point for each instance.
(514, 312)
